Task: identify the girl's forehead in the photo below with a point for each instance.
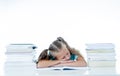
(60, 53)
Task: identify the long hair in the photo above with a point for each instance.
(55, 47)
(64, 42)
(43, 55)
(46, 54)
(72, 50)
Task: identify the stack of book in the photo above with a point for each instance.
(101, 55)
(20, 53)
(20, 59)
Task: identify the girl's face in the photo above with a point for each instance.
(63, 53)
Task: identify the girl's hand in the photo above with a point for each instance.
(63, 63)
(67, 61)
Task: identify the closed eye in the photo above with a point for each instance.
(63, 57)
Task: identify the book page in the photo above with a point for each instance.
(64, 68)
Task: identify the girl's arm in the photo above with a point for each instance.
(51, 63)
(47, 63)
(80, 62)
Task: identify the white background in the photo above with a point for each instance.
(42, 21)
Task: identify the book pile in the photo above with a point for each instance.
(101, 55)
(20, 57)
(20, 53)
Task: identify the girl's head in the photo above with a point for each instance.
(59, 49)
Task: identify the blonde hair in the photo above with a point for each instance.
(55, 47)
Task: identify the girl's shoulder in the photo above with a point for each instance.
(76, 52)
(52, 58)
(73, 57)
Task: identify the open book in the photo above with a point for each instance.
(64, 68)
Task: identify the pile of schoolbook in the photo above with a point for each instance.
(19, 57)
(101, 55)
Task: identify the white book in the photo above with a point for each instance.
(102, 63)
(20, 48)
(19, 64)
(20, 53)
(101, 54)
(64, 68)
(100, 50)
(101, 57)
(100, 46)
(19, 58)
(24, 45)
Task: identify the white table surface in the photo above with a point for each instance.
(29, 69)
